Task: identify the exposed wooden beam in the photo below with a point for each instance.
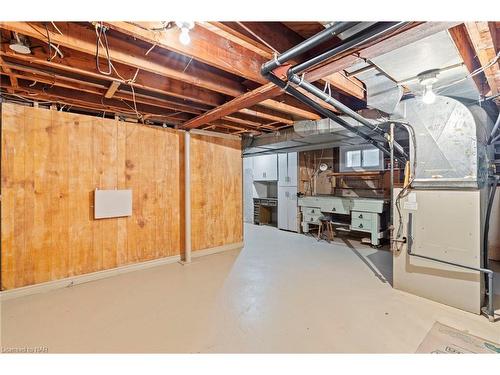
(205, 46)
(287, 108)
(115, 104)
(12, 78)
(34, 74)
(282, 39)
(483, 40)
(84, 40)
(464, 45)
(84, 103)
(248, 99)
(227, 32)
(112, 89)
(409, 35)
(80, 66)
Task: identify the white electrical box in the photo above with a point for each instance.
(112, 203)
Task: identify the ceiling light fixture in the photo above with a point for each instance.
(427, 79)
(20, 44)
(185, 27)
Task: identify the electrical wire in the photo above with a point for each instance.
(470, 75)
(101, 34)
(55, 27)
(100, 31)
(406, 189)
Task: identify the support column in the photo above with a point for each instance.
(187, 197)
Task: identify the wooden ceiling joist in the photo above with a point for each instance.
(204, 46)
(83, 39)
(145, 80)
(483, 38)
(465, 48)
(412, 33)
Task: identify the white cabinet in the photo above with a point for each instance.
(287, 169)
(265, 168)
(287, 208)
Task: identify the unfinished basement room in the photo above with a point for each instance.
(250, 186)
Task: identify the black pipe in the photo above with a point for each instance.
(327, 113)
(487, 221)
(326, 34)
(493, 131)
(354, 41)
(341, 107)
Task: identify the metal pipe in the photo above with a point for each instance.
(391, 147)
(487, 221)
(354, 41)
(187, 197)
(493, 131)
(309, 87)
(325, 112)
(490, 310)
(326, 34)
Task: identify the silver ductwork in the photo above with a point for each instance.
(450, 142)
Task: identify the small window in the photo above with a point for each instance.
(360, 158)
(353, 159)
(371, 157)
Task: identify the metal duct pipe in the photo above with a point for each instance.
(341, 107)
(327, 113)
(328, 33)
(493, 131)
(490, 310)
(354, 41)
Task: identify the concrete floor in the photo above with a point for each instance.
(284, 292)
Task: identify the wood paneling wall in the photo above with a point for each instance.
(53, 161)
(216, 191)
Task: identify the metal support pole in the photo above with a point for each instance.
(391, 147)
(187, 197)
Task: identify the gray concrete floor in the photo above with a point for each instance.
(283, 292)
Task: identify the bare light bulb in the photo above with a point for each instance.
(184, 37)
(428, 97)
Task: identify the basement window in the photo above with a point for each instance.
(360, 158)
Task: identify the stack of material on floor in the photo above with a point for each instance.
(442, 339)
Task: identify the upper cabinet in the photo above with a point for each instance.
(265, 168)
(287, 169)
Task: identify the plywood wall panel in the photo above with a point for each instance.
(216, 191)
(51, 164)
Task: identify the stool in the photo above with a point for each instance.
(325, 229)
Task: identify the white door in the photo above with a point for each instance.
(292, 169)
(287, 208)
(292, 208)
(282, 169)
(282, 208)
(271, 167)
(265, 168)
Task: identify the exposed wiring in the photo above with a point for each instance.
(100, 31)
(48, 39)
(55, 27)
(101, 34)
(470, 75)
(406, 189)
